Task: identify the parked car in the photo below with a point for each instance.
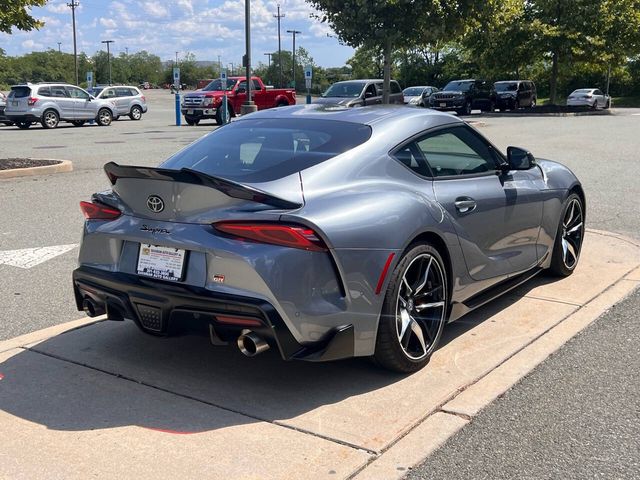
(589, 97)
(50, 103)
(464, 96)
(326, 233)
(418, 95)
(358, 93)
(129, 100)
(514, 94)
(207, 102)
(3, 104)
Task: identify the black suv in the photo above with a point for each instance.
(514, 94)
(464, 96)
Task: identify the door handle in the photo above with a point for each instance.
(465, 204)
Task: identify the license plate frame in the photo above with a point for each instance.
(161, 263)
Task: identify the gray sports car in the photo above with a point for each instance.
(326, 233)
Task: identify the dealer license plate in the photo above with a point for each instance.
(164, 263)
(443, 104)
(189, 112)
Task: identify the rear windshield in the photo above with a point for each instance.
(268, 149)
(20, 92)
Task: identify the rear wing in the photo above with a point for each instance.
(186, 175)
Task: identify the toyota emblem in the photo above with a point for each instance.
(155, 203)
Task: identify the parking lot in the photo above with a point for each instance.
(105, 391)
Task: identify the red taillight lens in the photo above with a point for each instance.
(99, 211)
(144, 99)
(32, 101)
(276, 234)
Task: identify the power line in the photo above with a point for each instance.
(279, 16)
(73, 5)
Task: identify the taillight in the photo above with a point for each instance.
(144, 99)
(274, 233)
(99, 211)
(32, 101)
(587, 96)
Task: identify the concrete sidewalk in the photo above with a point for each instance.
(105, 400)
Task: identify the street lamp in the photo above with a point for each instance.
(294, 32)
(248, 106)
(59, 43)
(108, 42)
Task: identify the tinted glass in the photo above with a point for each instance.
(108, 93)
(410, 157)
(598, 92)
(123, 92)
(456, 151)
(344, 90)
(77, 93)
(20, 92)
(44, 91)
(59, 91)
(506, 86)
(268, 149)
(395, 88)
(458, 86)
(216, 85)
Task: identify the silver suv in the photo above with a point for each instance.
(129, 101)
(50, 103)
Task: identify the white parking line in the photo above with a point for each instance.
(30, 257)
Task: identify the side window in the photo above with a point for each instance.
(44, 91)
(59, 92)
(256, 85)
(108, 93)
(371, 91)
(598, 92)
(379, 89)
(410, 157)
(456, 151)
(123, 92)
(395, 88)
(77, 93)
(242, 85)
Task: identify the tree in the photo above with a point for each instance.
(384, 24)
(15, 14)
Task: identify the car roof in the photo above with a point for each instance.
(369, 115)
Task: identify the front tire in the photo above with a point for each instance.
(414, 311)
(569, 237)
(104, 117)
(219, 117)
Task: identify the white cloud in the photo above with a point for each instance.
(321, 30)
(155, 10)
(186, 5)
(28, 44)
(58, 7)
(108, 23)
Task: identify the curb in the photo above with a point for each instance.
(62, 167)
(596, 113)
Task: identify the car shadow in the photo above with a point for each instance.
(109, 374)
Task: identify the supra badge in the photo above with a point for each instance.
(155, 204)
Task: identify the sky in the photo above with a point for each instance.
(206, 28)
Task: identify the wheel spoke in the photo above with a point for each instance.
(572, 251)
(406, 284)
(417, 331)
(405, 319)
(426, 276)
(424, 306)
(568, 221)
(575, 229)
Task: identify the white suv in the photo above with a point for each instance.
(129, 101)
(50, 103)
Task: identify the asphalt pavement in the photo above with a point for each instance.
(577, 416)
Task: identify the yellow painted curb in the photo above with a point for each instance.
(62, 167)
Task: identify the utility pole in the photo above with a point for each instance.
(219, 67)
(279, 16)
(176, 64)
(73, 6)
(59, 43)
(126, 49)
(232, 69)
(108, 56)
(294, 32)
(269, 57)
(248, 106)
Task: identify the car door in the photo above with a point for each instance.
(123, 100)
(496, 215)
(83, 108)
(599, 97)
(63, 100)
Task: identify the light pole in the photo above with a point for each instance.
(269, 57)
(294, 32)
(232, 68)
(248, 106)
(73, 6)
(108, 42)
(279, 16)
(59, 43)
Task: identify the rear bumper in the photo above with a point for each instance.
(164, 308)
(22, 117)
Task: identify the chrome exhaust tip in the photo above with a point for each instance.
(251, 344)
(91, 308)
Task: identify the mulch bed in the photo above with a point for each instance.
(11, 163)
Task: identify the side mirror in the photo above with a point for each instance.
(520, 159)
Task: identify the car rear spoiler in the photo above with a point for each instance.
(186, 175)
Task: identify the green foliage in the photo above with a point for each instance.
(271, 74)
(15, 13)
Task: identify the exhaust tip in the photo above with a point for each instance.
(91, 308)
(114, 312)
(251, 344)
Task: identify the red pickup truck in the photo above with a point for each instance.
(207, 102)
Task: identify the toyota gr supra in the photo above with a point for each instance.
(326, 233)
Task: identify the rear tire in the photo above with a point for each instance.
(104, 117)
(135, 113)
(282, 103)
(569, 237)
(50, 119)
(23, 125)
(414, 311)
